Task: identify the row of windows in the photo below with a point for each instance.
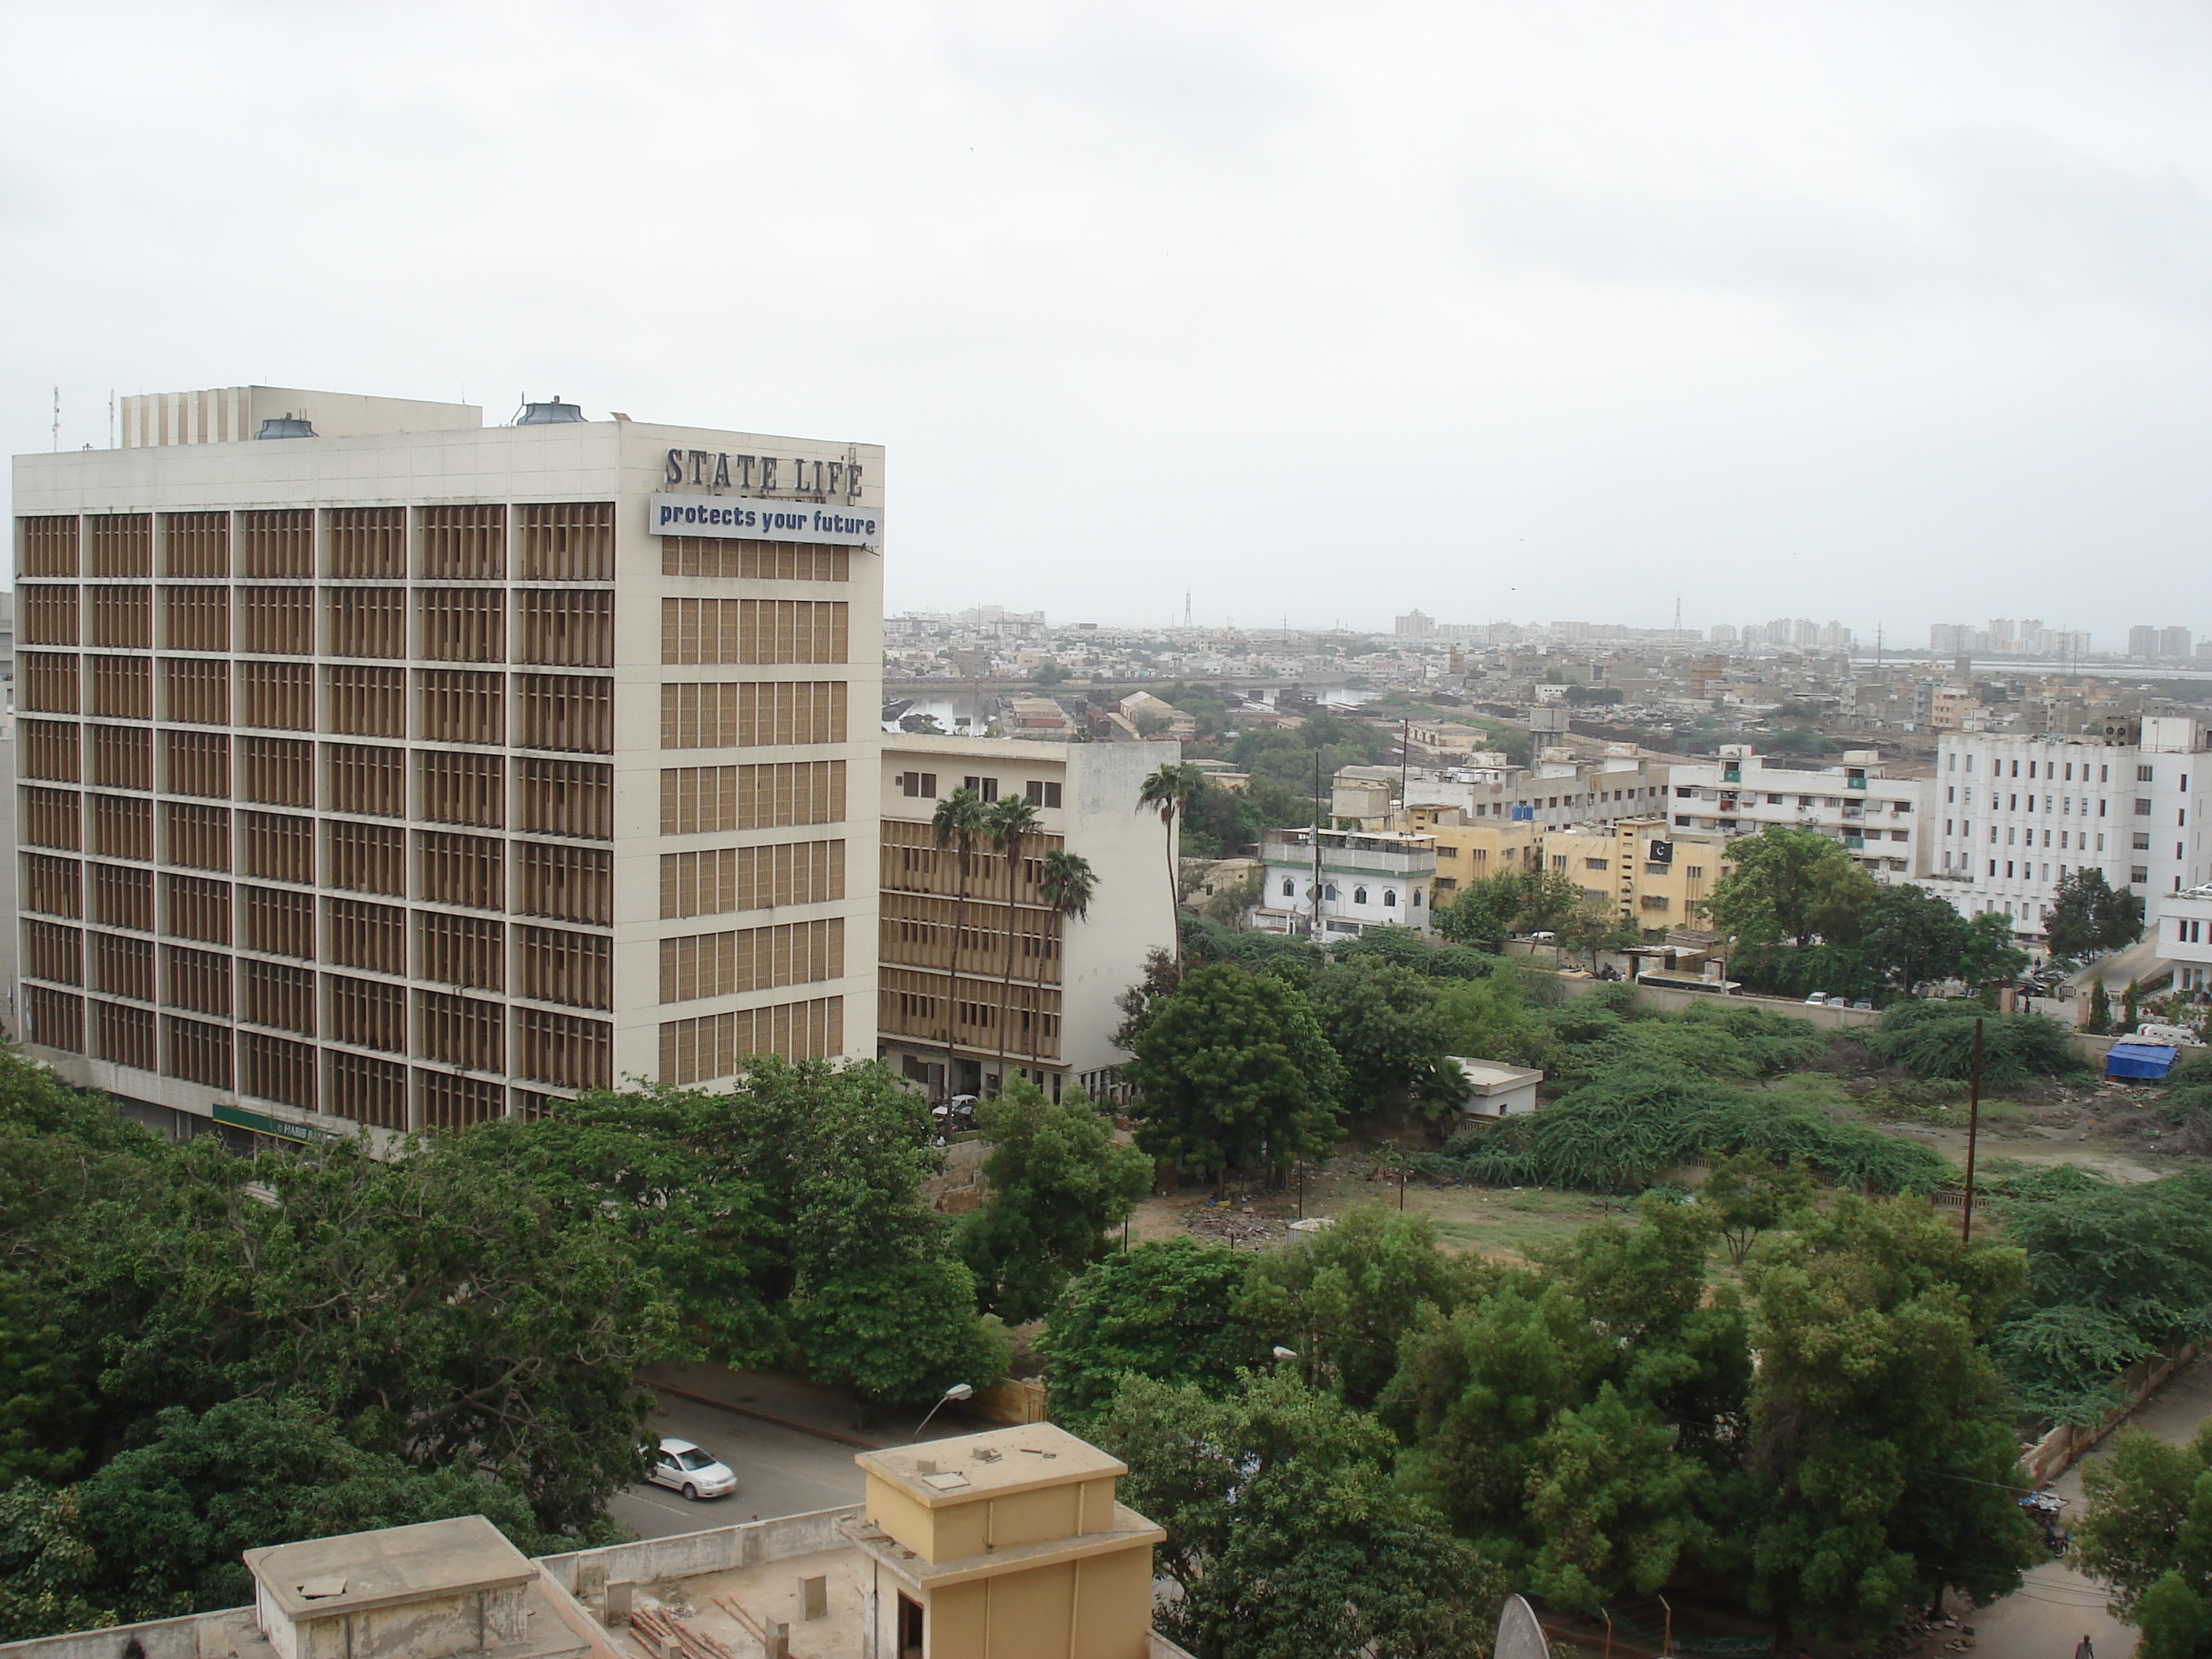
(559, 797)
(550, 965)
(554, 541)
(1360, 893)
(2145, 773)
(570, 628)
(922, 786)
(566, 883)
(565, 1050)
(551, 711)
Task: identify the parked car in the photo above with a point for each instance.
(1817, 1000)
(694, 1472)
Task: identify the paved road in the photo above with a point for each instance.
(2052, 1611)
(780, 1472)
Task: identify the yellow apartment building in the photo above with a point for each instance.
(1652, 878)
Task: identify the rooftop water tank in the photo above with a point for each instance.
(551, 413)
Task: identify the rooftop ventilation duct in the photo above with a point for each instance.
(286, 426)
(551, 413)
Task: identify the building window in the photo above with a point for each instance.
(2143, 807)
(2143, 774)
(1043, 794)
(1359, 896)
(2138, 874)
(1597, 864)
(1290, 890)
(1389, 898)
(986, 789)
(1417, 898)
(918, 786)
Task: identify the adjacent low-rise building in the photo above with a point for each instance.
(1653, 877)
(1876, 818)
(1032, 991)
(1336, 884)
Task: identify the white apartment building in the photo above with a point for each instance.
(1044, 1010)
(1337, 883)
(1560, 790)
(2184, 930)
(382, 769)
(2011, 815)
(1877, 819)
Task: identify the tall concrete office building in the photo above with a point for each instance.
(386, 768)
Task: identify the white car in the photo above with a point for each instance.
(684, 1467)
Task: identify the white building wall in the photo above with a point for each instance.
(2015, 815)
(1880, 821)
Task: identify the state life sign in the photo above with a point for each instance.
(751, 518)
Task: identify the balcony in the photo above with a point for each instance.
(1850, 839)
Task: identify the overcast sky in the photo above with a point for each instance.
(1887, 313)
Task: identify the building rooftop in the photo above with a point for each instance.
(359, 1570)
(995, 1463)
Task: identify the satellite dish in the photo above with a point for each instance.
(1519, 1635)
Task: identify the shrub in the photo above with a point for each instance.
(1936, 1039)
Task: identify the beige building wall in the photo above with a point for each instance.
(1068, 972)
(402, 779)
(1468, 852)
(1613, 864)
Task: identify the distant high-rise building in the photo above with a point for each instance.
(1804, 631)
(1414, 625)
(2001, 634)
(1721, 634)
(1947, 639)
(2142, 642)
(2173, 642)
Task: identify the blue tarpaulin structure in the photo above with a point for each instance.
(2148, 1059)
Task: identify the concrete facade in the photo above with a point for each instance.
(1650, 874)
(1060, 1011)
(2012, 816)
(1364, 878)
(1878, 820)
(401, 778)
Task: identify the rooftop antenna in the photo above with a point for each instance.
(1186, 607)
(111, 418)
(58, 420)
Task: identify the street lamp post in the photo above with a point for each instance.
(957, 1391)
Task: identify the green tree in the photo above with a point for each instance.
(1751, 1192)
(1057, 1182)
(1010, 821)
(778, 1212)
(1233, 1070)
(46, 1567)
(168, 1517)
(959, 821)
(1792, 885)
(2100, 1010)
(441, 1306)
(1988, 956)
(2088, 917)
(1286, 1536)
(1342, 1299)
(1164, 791)
(1910, 935)
(1166, 1309)
(1882, 1439)
(1383, 1022)
(2147, 1523)
(1490, 1019)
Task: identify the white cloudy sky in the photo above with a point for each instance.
(1887, 312)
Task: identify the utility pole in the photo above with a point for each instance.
(1974, 1129)
(1405, 753)
(1316, 849)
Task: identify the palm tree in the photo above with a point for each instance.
(1067, 884)
(958, 819)
(1011, 820)
(1165, 792)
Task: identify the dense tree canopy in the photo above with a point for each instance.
(1232, 1070)
(2088, 916)
(1791, 886)
(1057, 1181)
